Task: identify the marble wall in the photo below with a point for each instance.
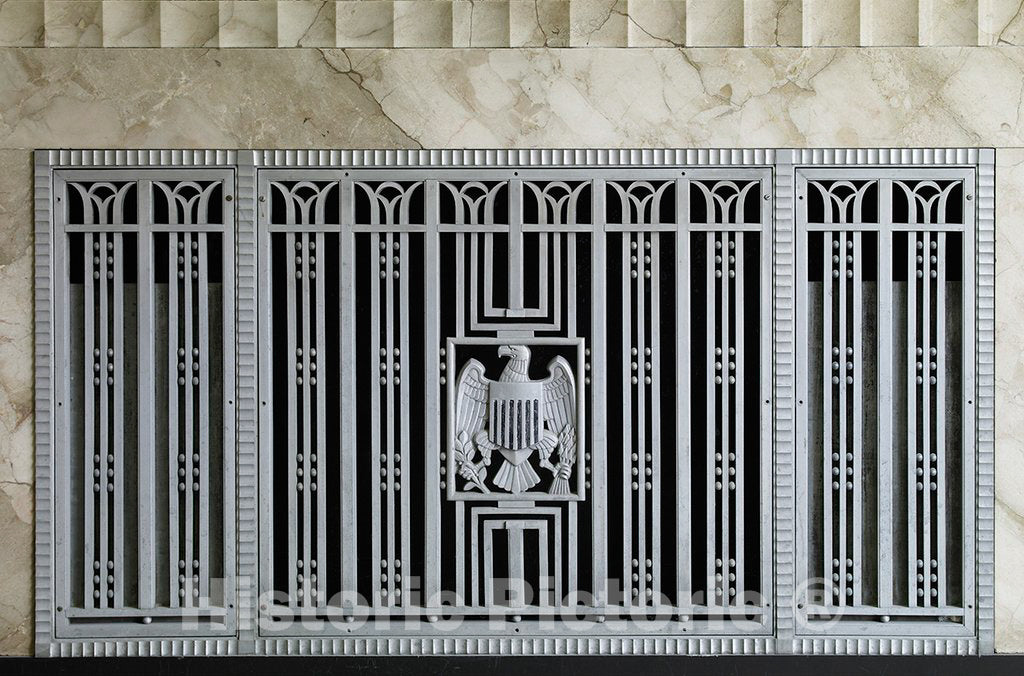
(654, 94)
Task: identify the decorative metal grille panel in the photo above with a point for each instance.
(888, 446)
(514, 401)
(143, 288)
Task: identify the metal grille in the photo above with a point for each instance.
(889, 462)
(523, 401)
(143, 264)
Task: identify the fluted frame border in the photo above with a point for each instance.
(783, 163)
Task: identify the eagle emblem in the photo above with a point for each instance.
(516, 417)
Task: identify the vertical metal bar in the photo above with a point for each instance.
(391, 414)
(474, 563)
(543, 532)
(572, 508)
(474, 266)
(188, 344)
(270, 481)
(103, 327)
(117, 393)
(627, 421)
(90, 382)
(544, 597)
(432, 399)
(786, 257)
(843, 526)
(146, 510)
(725, 446)
(857, 448)
(305, 440)
(376, 372)
(926, 419)
(176, 569)
(976, 365)
(460, 508)
(655, 466)
(515, 243)
(516, 562)
(598, 379)
(939, 461)
(53, 380)
(319, 569)
(711, 422)
(829, 480)
(781, 360)
(460, 553)
(683, 430)
(349, 408)
(488, 557)
(640, 362)
(203, 354)
(911, 422)
(885, 389)
(239, 338)
(292, 479)
(405, 451)
(543, 292)
(736, 480)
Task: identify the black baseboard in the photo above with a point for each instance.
(994, 665)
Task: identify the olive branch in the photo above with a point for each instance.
(469, 469)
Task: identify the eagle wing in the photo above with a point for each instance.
(471, 399)
(560, 395)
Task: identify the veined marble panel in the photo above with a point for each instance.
(501, 23)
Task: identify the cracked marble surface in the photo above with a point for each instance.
(501, 98)
(16, 402)
(1009, 594)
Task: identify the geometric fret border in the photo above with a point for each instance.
(784, 162)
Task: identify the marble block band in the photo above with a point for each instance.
(508, 23)
(572, 401)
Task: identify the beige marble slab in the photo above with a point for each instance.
(600, 23)
(306, 23)
(832, 22)
(1000, 22)
(16, 402)
(654, 23)
(423, 24)
(131, 23)
(1009, 401)
(21, 24)
(715, 23)
(773, 22)
(247, 23)
(73, 23)
(480, 23)
(500, 98)
(365, 23)
(949, 22)
(538, 23)
(886, 23)
(189, 23)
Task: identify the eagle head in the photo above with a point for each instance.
(518, 368)
(518, 352)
